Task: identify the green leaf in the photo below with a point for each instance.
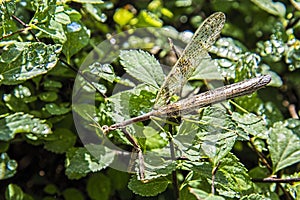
(156, 165)
(60, 141)
(51, 189)
(284, 147)
(24, 60)
(14, 192)
(99, 186)
(251, 124)
(123, 16)
(78, 37)
(275, 8)
(48, 83)
(22, 123)
(88, 1)
(236, 174)
(72, 194)
(81, 161)
(218, 134)
(199, 194)
(53, 30)
(48, 96)
(8, 167)
(254, 197)
(207, 70)
(55, 109)
(8, 8)
(142, 66)
(146, 19)
(184, 140)
(102, 71)
(119, 179)
(15, 104)
(150, 188)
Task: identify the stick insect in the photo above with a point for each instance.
(196, 50)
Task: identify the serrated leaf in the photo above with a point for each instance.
(275, 8)
(60, 141)
(236, 174)
(24, 60)
(156, 165)
(150, 188)
(284, 147)
(184, 141)
(8, 167)
(251, 124)
(81, 161)
(207, 70)
(217, 135)
(22, 123)
(99, 186)
(142, 66)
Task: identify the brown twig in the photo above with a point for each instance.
(261, 156)
(213, 176)
(173, 156)
(25, 26)
(276, 180)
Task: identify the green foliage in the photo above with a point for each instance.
(151, 188)
(246, 148)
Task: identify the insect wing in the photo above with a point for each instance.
(196, 50)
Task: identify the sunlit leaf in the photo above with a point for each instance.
(150, 188)
(78, 37)
(93, 158)
(22, 123)
(275, 8)
(251, 124)
(236, 174)
(142, 66)
(8, 167)
(284, 146)
(123, 16)
(55, 109)
(146, 19)
(254, 197)
(24, 60)
(88, 1)
(217, 135)
(15, 192)
(157, 165)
